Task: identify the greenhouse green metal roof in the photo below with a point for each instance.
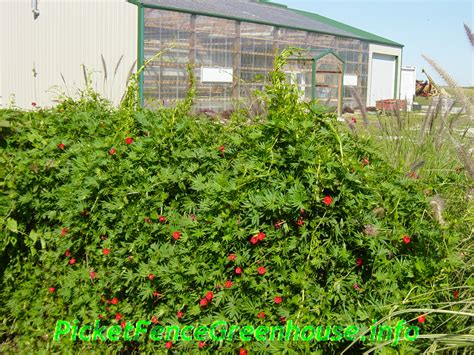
(265, 12)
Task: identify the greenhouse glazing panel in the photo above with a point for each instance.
(354, 52)
(246, 50)
(166, 78)
(214, 48)
(257, 49)
(300, 72)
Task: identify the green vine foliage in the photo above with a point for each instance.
(78, 185)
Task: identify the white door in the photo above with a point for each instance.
(383, 78)
(407, 85)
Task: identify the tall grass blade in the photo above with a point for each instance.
(62, 78)
(362, 108)
(469, 34)
(118, 65)
(84, 72)
(104, 66)
(130, 72)
(458, 93)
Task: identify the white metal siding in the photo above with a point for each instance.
(67, 34)
(408, 85)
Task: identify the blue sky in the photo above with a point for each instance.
(430, 27)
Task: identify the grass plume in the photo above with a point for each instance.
(458, 93)
(104, 66)
(469, 34)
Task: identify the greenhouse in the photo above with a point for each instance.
(231, 46)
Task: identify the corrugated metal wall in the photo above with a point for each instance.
(67, 34)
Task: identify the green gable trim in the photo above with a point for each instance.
(370, 37)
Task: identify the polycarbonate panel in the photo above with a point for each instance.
(166, 78)
(248, 49)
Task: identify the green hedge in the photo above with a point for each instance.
(88, 183)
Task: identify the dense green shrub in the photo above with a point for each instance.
(87, 182)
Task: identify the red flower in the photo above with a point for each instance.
(242, 352)
(61, 146)
(33, 104)
(180, 314)
(406, 239)
(359, 262)
(112, 151)
(51, 289)
(228, 284)
(169, 344)
(151, 277)
(203, 302)
(421, 319)
(123, 324)
(238, 270)
(261, 315)
(278, 224)
(67, 253)
(232, 257)
(155, 294)
(72, 261)
(201, 344)
(254, 240)
(154, 319)
(261, 270)
(114, 300)
(278, 299)
(282, 319)
(162, 219)
(365, 161)
(209, 296)
(456, 294)
(300, 222)
(356, 287)
(92, 274)
(327, 200)
(106, 251)
(176, 235)
(261, 236)
(221, 149)
(118, 316)
(64, 231)
(129, 140)
(353, 120)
